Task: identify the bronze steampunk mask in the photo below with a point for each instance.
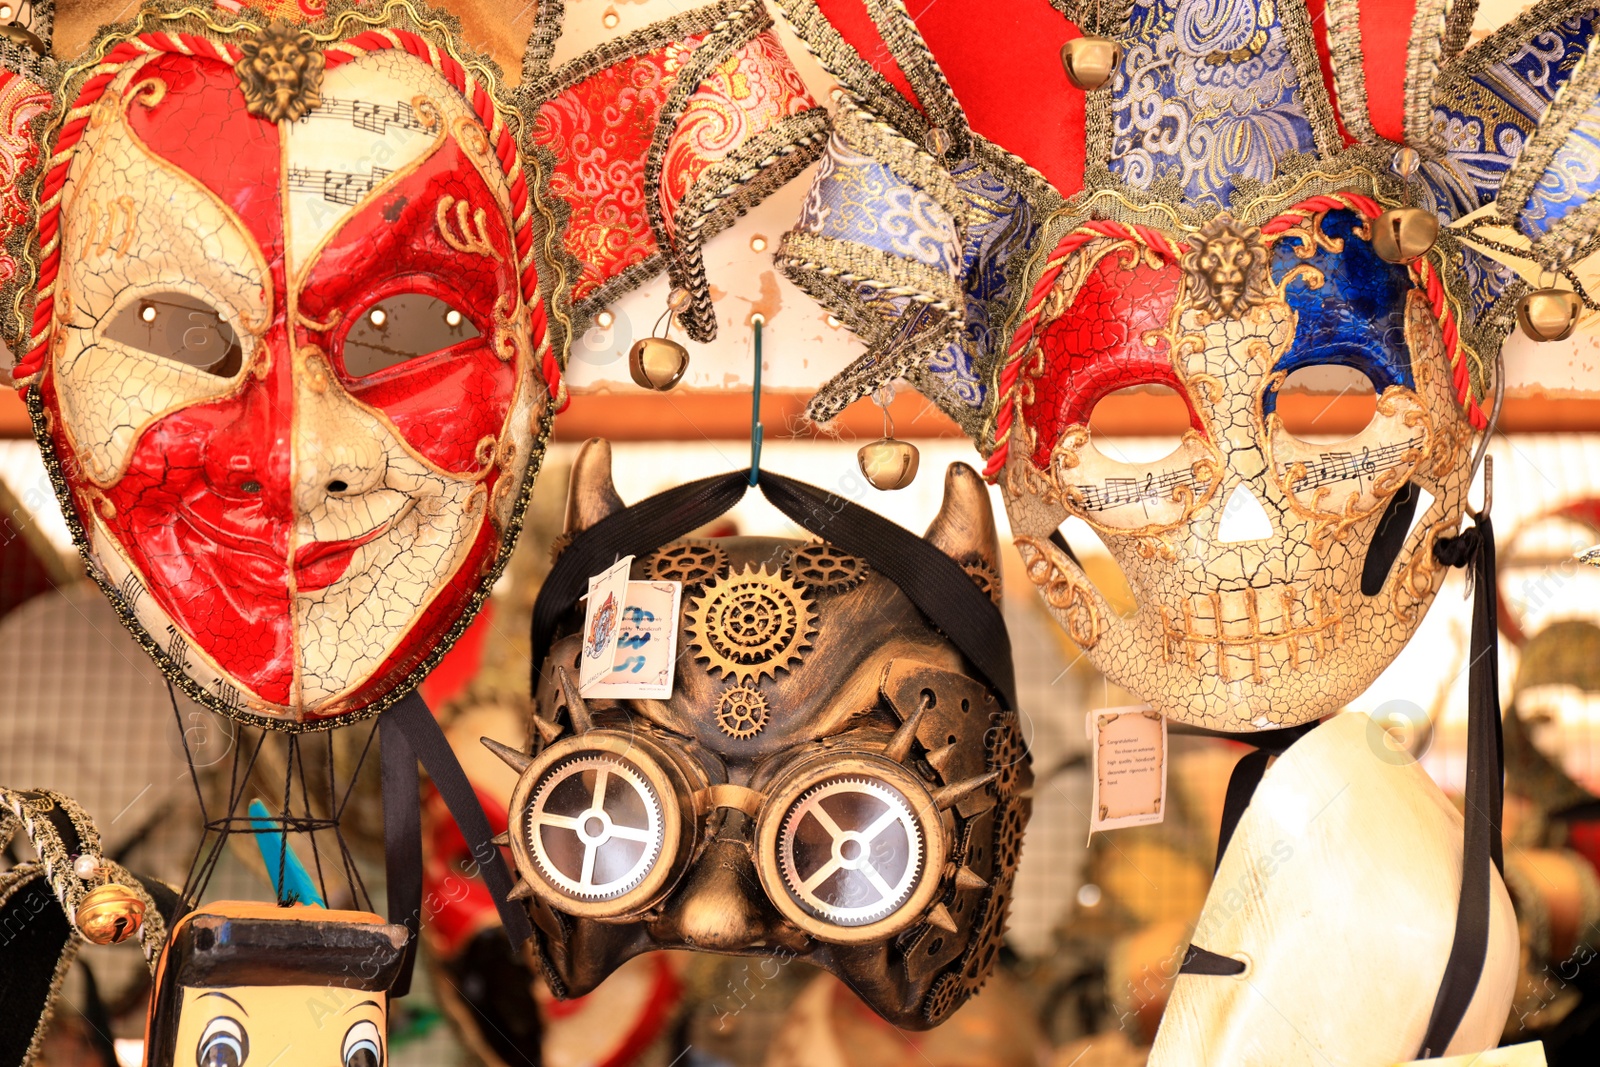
(831, 779)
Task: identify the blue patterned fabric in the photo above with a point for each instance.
(857, 198)
(1206, 90)
(1493, 116)
(860, 199)
(1571, 179)
(1355, 319)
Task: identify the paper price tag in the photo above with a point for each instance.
(602, 622)
(1128, 761)
(646, 650)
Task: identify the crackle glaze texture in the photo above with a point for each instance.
(291, 374)
(1238, 634)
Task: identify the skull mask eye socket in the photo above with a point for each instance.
(400, 328)
(180, 328)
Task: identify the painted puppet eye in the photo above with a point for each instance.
(850, 850)
(363, 1046)
(400, 328)
(223, 1043)
(181, 328)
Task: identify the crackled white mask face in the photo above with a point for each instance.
(290, 377)
(1257, 624)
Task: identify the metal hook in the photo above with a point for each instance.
(756, 322)
(1480, 454)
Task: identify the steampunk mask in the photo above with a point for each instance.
(1221, 232)
(829, 780)
(288, 354)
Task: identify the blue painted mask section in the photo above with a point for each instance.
(1356, 319)
(1207, 89)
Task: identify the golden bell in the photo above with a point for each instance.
(1090, 61)
(888, 463)
(110, 914)
(657, 363)
(1404, 234)
(19, 34)
(1549, 314)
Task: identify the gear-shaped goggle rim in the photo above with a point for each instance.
(848, 848)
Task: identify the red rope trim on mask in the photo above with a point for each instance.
(1421, 272)
(75, 122)
(1069, 244)
(104, 73)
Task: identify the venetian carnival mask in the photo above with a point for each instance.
(828, 781)
(1223, 233)
(290, 312)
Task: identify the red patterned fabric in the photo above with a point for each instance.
(20, 101)
(745, 95)
(600, 131)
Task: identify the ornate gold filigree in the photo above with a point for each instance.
(1063, 591)
(280, 72)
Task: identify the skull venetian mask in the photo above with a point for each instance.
(1240, 624)
(288, 353)
(828, 781)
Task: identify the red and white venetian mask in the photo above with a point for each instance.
(291, 361)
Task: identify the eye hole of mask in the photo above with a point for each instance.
(400, 328)
(1326, 403)
(181, 328)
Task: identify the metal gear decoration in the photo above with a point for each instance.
(984, 577)
(851, 850)
(1006, 754)
(690, 562)
(742, 712)
(947, 994)
(595, 826)
(822, 568)
(1008, 842)
(750, 624)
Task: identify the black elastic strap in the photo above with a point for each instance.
(411, 727)
(1241, 787)
(930, 579)
(402, 841)
(632, 531)
(1203, 961)
(1484, 791)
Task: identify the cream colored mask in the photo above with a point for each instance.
(289, 357)
(1266, 597)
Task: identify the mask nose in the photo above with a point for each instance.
(339, 451)
(1243, 518)
(721, 905)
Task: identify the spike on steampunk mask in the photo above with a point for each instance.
(290, 363)
(816, 786)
